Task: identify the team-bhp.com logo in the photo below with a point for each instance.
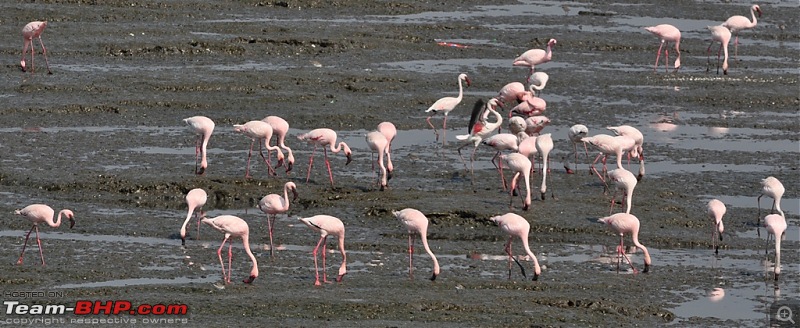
(18, 313)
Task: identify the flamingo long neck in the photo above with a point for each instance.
(543, 189)
(338, 147)
(753, 15)
(549, 52)
(778, 253)
(188, 217)
(628, 196)
(204, 159)
(491, 126)
(424, 237)
(343, 267)
(55, 222)
(536, 269)
(246, 244)
(526, 174)
(635, 237)
(777, 206)
(460, 90)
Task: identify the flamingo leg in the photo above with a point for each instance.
(310, 163)
(27, 44)
(270, 170)
(270, 222)
(736, 48)
(219, 254)
(39, 243)
(658, 55)
(444, 130)
(324, 266)
(758, 217)
(511, 257)
(230, 259)
(499, 166)
(432, 127)
(249, 155)
(25, 244)
(197, 154)
(328, 165)
(410, 255)
(316, 267)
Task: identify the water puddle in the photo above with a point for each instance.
(143, 281)
(746, 303)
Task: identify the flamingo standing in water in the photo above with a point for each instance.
(520, 165)
(534, 57)
(623, 223)
(325, 138)
(202, 127)
(280, 128)
(638, 138)
(608, 145)
(274, 204)
(29, 32)
(195, 199)
(389, 131)
(501, 142)
(377, 143)
(722, 35)
(667, 33)
(446, 105)
(233, 226)
(417, 224)
(480, 128)
(715, 210)
(516, 226)
(258, 131)
(327, 225)
(544, 144)
(738, 23)
(623, 180)
(772, 187)
(776, 227)
(40, 213)
(576, 134)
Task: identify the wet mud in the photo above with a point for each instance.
(103, 136)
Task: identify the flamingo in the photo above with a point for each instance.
(274, 204)
(233, 226)
(623, 180)
(417, 224)
(40, 213)
(534, 57)
(538, 81)
(520, 165)
(535, 124)
(29, 32)
(202, 127)
(446, 105)
(327, 225)
(511, 92)
(722, 35)
(280, 128)
(772, 187)
(389, 131)
(738, 23)
(480, 127)
(527, 147)
(258, 131)
(195, 199)
(544, 144)
(638, 138)
(517, 127)
(516, 226)
(377, 143)
(715, 210)
(325, 138)
(609, 145)
(530, 105)
(501, 142)
(667, 33)
(776, 227)
(576, 134)
(623, 223)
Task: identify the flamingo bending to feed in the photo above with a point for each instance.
(544, 144)
(446, 105)
(608, 145)
(516, 226)
(195, 199)
(233, 226)
(520, 165)
(274, 204)
(377, 143)
(417, 224)
(30, 31)
(389, 131)
(538, 81)
(776, 227)
(513, 91)
(623, 223)
(738, 23)
(327, 225)
(722, 35)
(280, 128)
(638, 138)
(576, 134)
(667, 33)
(40, 213)
(623, 180)
(202, 127)
(501, 142)
(325, 138)
(258, 131)
(715, 210)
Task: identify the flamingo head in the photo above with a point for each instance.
(757, 9)
(293, 187)
(249, 279)
(71, 218)
(466, 79)
(551, 43)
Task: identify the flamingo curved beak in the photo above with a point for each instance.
(289, 166)
(535, 277)
(294, 192)
(349, 158)
(249, 279)
(433, 278)
(469, 82)
(71, 222)
(340, 277)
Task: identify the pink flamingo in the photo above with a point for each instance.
(202, 127)
(667, 33)
(538, 81)
(501, 142)
(517, 125)
(417, 224)
(609, 145)
(623, 180)
(325, 138)
(776, 227)
(773, 188)
(738, 23)
(535, 124)
(638, 138)
(520, 165)
(530, 105)
(722, 35)
(195, 199)
(513, 91)
(258, 131)
(327, 225)
(446, 105)
(280, 128)
(576, 134)
(527, 147)
(377, 143)
(544, 144)
(233, 226)
(29, 32)
(480, 128)
(623, 223)
(715, 210)
(40, 213)
(516, 226)
(274, 204)
(389, 131)
(534, 57)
